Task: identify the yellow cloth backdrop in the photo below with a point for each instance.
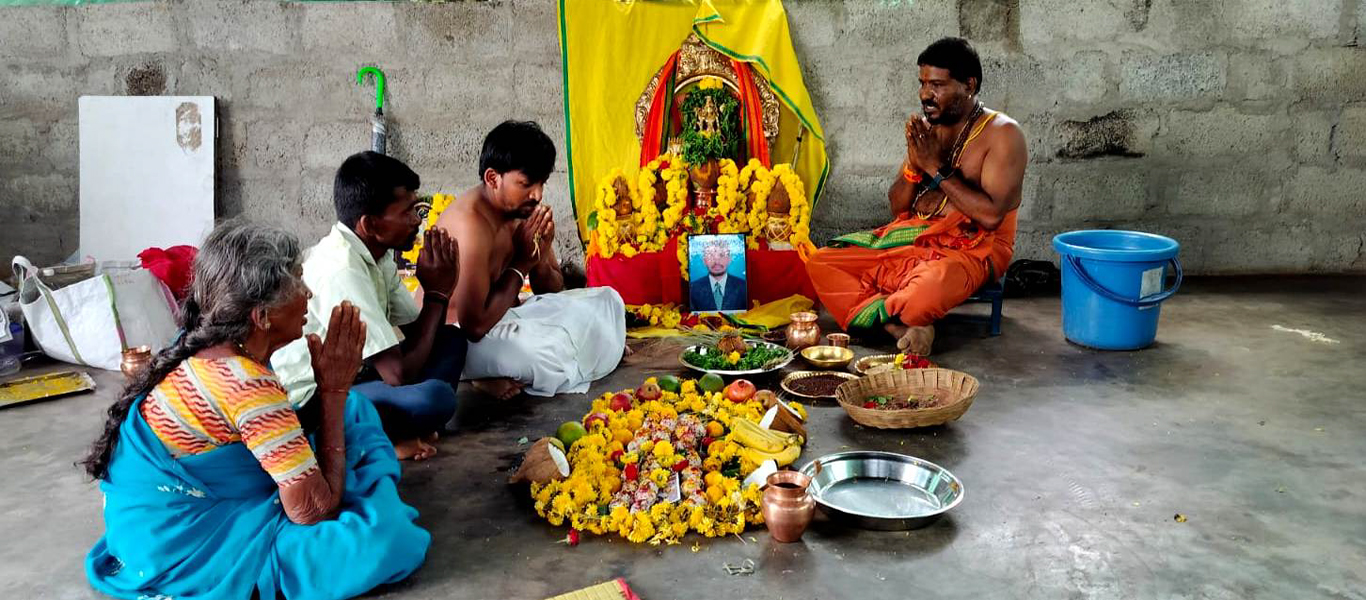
(610, 49)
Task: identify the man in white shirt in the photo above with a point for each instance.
(413, 360)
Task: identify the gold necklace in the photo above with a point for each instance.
(959, 145)
(243, 350)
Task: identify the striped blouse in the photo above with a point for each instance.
(206, 404)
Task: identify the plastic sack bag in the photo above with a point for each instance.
(90, 322)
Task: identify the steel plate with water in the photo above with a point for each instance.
(882, 490)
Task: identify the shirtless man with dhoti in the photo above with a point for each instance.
(557, 341)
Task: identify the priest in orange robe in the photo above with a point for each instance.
(953, 204)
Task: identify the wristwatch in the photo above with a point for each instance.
(938, 178)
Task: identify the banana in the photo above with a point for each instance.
(787, 439)
(751, 437)
(784, 457)
(750, 434)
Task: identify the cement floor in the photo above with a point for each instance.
(1074, 462)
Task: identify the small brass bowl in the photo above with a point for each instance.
(828, 357)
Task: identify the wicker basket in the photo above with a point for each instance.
(954, 389)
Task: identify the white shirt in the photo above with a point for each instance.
(341, 268)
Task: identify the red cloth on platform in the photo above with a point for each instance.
(776, 274)
(646, 278)
(174, 266)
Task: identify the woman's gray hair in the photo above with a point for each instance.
(241, 267)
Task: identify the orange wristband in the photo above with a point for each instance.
(910, 175)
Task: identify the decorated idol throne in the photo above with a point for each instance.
(708, 126)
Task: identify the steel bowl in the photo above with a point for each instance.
(877, 363)
(882, 490)
(828, 357)
(774, 365)
(862, 365)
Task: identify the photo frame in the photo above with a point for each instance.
(717, 273)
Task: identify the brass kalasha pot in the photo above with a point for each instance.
(803, 332)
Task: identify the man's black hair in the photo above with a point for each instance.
(518, 146)
(365, 185)
(955, 55)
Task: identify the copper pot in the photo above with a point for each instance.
(135, 360)
(787, 506)
(803, 332)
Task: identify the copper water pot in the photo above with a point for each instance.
(787, 506)
(803, 332)
(135, 360)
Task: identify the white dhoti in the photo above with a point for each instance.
(554, 343)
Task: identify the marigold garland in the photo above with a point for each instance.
(606, 234)
(741, 207)
(799, 217)
(623, 472)
(656, 315)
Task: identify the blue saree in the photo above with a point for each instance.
(210, 526)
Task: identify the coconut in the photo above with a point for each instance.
(778, 202)
(732, 343)
(543, 462)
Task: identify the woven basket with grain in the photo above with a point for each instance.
(953, 391)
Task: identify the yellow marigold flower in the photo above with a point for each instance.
(647, 446)
(663, 451)
(630, 458)
(660, 477)
(661, 511)
(652, 380)
(689, 386)
(713, 478)
(733, 357)
(711, 465)
(714, 493)
(642, 530)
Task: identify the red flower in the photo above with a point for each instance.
(615, 455)
(573, 537)
(680, 465)
(632, 472)
(870, 404)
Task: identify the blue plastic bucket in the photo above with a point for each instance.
(1112, 286)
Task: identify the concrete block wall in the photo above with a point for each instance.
(1236, 126)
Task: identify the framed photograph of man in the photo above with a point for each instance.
(716, 273)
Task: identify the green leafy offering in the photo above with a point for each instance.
(755, 358)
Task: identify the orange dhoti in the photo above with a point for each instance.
(911, 270)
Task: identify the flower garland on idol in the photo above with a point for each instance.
(604, 241)
(741, 207)
(656, 464)
(799, 217)
(758, 180)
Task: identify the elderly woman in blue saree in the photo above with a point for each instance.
(213, 486)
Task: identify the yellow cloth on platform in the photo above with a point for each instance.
(777, 313)
(610, 50)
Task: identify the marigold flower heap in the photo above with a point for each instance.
(656, 468)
